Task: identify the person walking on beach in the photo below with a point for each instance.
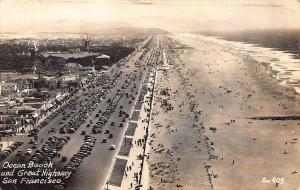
(232, 162)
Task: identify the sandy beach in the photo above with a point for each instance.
(220, 123)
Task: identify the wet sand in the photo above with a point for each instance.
(202, 133)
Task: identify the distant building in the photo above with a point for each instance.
(102, 60)
(8, 88)
(86, 43)
(77, 50)
(103, 57)
(5, 76)
(89, 69)
(36, 103)
(27, 81)
(28, 76)
(4, 108)
(68, 77)
(51, 82)
(8, 123)
(64, 80)
(23, 109)
(73, 67)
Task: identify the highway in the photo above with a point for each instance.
(117, 90)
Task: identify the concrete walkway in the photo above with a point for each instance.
(133, 169)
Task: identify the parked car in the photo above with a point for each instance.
(28, 152)
(112, 147)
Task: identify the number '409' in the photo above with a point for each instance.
(278, 180)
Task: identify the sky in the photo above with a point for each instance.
(31, 16)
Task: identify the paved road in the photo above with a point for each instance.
(94, 169)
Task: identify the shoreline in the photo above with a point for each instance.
(224, 90)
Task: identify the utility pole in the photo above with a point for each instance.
(107, 185)
(125, 139)
(7, 139)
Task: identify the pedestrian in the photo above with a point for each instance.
(232, 162)
(131, 185)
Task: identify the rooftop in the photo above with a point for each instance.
(103, 56)
(73, 65)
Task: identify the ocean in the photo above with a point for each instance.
(282, 65)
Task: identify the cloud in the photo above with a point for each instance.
(173, 15)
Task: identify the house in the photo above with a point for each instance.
(64, 80)
(73, 67)
(4, 108)
(8, 123)
(102, 60)
(77, 50)
(50, 82)
(103, 56)
(23, 109)
(5, 76)
(8, 88)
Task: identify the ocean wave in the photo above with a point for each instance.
(282, 65)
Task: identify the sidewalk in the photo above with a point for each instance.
(135, 158)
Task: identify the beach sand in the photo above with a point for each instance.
(202, 133)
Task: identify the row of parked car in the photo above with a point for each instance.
(84, 151)
(89, 107)
(50, 149)
(72, 99)
(103, 117)
(39, 154)
(11, 148)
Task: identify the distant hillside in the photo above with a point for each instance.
(92, 31)
(133, 31)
